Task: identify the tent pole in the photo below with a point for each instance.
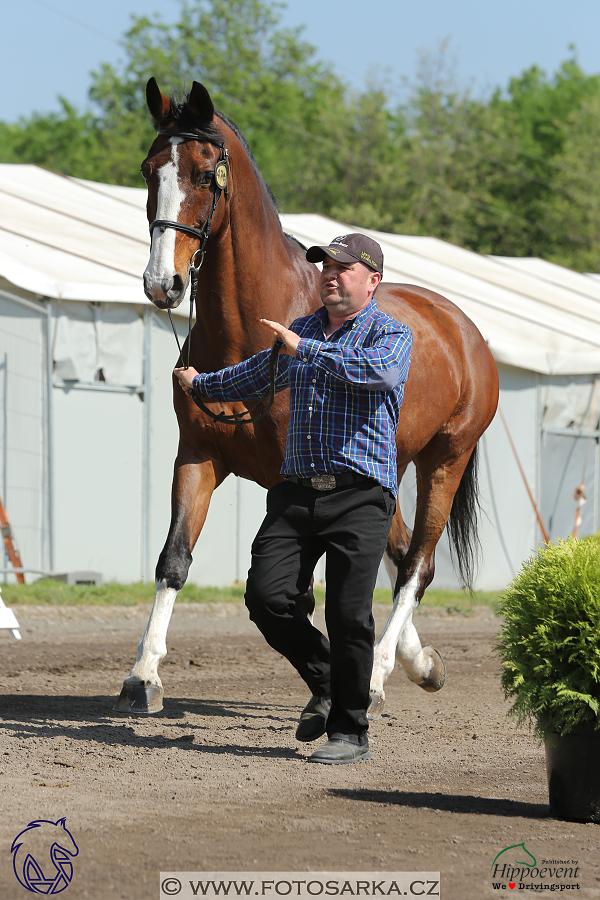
(147, 443)
(50, 432)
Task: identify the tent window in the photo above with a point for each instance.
(98, 342)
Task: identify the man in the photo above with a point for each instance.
(345, 367)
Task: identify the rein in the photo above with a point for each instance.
(221, 179)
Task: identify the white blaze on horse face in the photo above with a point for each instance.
(161, 265)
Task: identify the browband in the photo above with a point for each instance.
(188, 136)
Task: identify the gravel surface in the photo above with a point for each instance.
(216, 782)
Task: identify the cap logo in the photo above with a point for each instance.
(338, 243)
(331, 250)
(366, 256)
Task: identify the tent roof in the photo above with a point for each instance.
(67, 238)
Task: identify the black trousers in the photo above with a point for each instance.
(350, 526)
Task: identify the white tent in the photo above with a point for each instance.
(88, 435)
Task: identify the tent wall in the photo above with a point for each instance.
(98, 476)
(24, 419)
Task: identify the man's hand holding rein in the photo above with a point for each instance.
(185, 377)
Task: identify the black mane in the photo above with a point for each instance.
(207, 131)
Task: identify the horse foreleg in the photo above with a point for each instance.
(411, 572)
(193, 485)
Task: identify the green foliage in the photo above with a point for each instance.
(550, 638)
(515, 174)
(47, 592)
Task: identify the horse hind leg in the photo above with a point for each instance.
(437, 484)
(423, 665)
(193, 485)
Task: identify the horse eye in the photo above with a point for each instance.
(203, 178)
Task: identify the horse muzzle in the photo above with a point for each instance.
(166, 293)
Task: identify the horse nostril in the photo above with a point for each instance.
(177, 285)
(166, 285)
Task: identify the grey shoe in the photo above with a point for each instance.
(313, 719)
(336, 752)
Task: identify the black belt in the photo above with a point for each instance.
(327, 482)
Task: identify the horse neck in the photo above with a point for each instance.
(251, 271)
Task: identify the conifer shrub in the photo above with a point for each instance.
(550, 638)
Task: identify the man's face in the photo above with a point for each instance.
(346, 289)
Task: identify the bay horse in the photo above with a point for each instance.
(251, 270)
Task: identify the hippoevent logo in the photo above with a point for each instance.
(42, 856)
(515, 869)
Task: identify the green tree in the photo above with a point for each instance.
(574, 207)
(515, 174)
(65, 142)
(264, 77)
(532, 136)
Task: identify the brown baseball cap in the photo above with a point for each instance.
(350, 248)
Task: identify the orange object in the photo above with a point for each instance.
(579, 494)
(13, 552)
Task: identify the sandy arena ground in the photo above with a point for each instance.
(217, 782)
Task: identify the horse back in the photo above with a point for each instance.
(453, 379)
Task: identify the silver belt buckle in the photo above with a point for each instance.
(323, 482)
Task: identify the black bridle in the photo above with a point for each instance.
(221, 180)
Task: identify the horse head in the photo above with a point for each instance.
(187, 174)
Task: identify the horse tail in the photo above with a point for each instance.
(465, 546)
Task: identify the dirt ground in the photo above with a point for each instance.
(217, 782)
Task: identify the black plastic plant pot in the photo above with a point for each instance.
(573, 770)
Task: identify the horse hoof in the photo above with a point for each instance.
(376, 706)
(142, 699)
(437, 676)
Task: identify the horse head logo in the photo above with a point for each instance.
(42, 857)
(513, 853)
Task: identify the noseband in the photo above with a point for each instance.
(221, 180)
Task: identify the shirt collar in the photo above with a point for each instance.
(362, 315)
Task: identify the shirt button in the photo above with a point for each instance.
(314, 381)
(308, 437)
(310, 409)
(312, 465)
(305, 358)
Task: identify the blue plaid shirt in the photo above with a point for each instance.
(345, 394)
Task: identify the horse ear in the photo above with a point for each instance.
(199, 103)
(158, 104)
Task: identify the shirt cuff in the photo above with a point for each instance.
(196, 386)
(307, 350)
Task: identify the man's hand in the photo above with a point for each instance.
(185, 377)
(289, 338)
